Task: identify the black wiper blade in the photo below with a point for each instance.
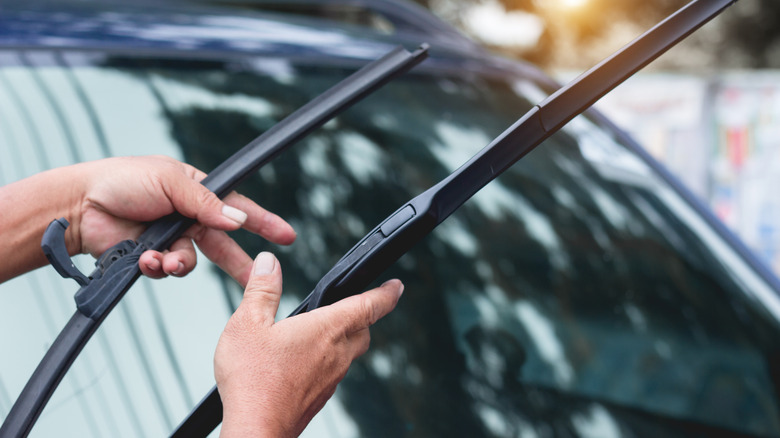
(413, 221)
(118, 269)
(409, 224)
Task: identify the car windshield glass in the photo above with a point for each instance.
(578, 294)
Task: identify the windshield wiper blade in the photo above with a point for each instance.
(117, 269)
(409, 224)
(413, 221)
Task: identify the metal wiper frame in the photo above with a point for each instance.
(117, 269)
(414, 220)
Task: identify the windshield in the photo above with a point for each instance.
(578, 294)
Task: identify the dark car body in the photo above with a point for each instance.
(583, 293)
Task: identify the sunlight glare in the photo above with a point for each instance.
(573, 4)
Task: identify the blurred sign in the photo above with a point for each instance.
(720, 135)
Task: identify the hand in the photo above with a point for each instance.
(123, 193)
(274, 377)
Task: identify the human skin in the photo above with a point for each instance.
(272, 377)
(110, 200)
(262, 394)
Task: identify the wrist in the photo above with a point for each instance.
(71, 205)
(245, 420)
(65, 191)
(29, 205)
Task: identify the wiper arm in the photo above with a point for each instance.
(409, 224)
(117, 269)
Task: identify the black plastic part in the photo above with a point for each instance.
(53, 245)
(210, 409)
(400, 231)
(397, 220)
(117, 272)
(413, 221)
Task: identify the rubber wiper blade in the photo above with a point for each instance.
(414, 220)
(117, 269)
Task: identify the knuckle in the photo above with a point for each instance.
(362, 342)
(367, 311)
(261, 290)
(334, 330)
(198, 232)
(206, 198)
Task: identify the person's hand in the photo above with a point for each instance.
(273, 377)
(121, 194)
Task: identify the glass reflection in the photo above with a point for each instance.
(577, 295)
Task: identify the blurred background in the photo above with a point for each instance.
(709, 109)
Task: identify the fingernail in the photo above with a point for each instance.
(264, 263)
(153, 265)
(179, 269)
(234, 214)
(400, 286)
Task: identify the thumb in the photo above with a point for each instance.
(359, 312)
(264, 288)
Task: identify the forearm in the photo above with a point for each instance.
(26, 209)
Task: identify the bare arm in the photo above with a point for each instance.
(109, 200)
(272, 377)
(26, 208)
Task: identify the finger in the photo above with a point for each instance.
(180, 259)
(221, 249)
(359, 312)
(261, 221)
(264, 288)
(194, 200)
(150, 263)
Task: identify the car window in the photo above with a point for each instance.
(578, 294)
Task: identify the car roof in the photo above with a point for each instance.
(205, 29)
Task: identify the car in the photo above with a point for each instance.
(585, 292)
